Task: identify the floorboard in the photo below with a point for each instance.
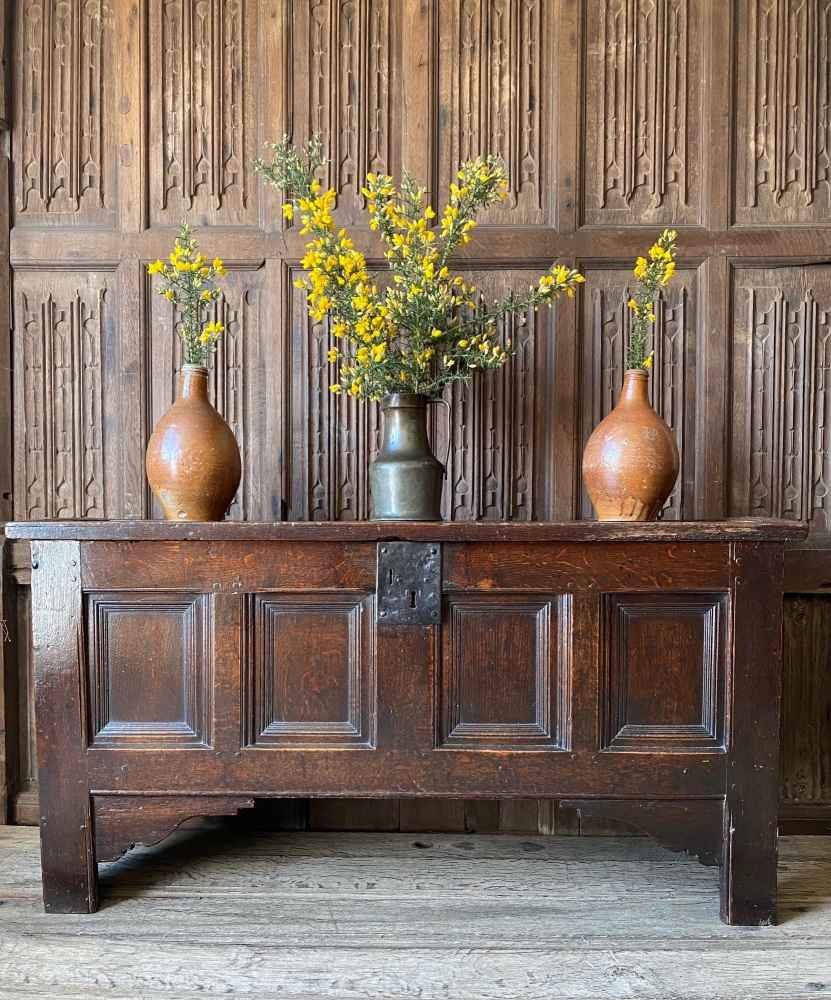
(330, 916)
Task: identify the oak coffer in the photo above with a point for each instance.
(632, 670)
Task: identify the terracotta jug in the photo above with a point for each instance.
(193, 461)
(631, 460)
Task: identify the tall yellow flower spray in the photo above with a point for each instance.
(429, 328)
(652, 274)
(189, 282)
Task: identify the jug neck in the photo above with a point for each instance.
(193, 381)
(405, 423)
(635, 387)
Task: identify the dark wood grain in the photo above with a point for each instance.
(805, 762)
(70, 876)
(744, 528)
(610, 129)
(695, 828)
(617, 683)
(748, 889)
(150, 678)
(123, 821)
(654, 695)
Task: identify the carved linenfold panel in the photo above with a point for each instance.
(345, 50)
(63, 114)
(493, 471)
(664, 669)
(334, 438)
(310, 669)
(782, 384)
(495, 96)
(498, 442)
(239, 310)
(783, 112)
(606, 323)
(202, 100)
(59, 438)
(483, 704)
(643, 65)
(150, 676)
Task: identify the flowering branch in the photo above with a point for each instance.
(428, 329)
(652, 275)
(188, 281)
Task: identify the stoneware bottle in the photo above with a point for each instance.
(631, 460)
(193, 461)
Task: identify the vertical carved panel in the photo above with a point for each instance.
(203, 95)
(805, 761)
(500, 427)
(64, 111)
(239, 310)
(59, 440)
(643, 69)
(496, 97)
(344, 48)
(334, 436)
(782, 386)
(783, 112)
(606, 326)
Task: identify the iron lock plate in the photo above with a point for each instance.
(408, 584)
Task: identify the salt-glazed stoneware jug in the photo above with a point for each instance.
(631, 461)
(193, 461)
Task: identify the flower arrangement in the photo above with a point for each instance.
(189, 282)
(429, 328)
(652, 274)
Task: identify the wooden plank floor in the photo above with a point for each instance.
(314, 916)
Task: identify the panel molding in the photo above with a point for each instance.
(551, 665)
(61, 331)
(202, 101)
(194, 728)
(63, 173)
(619, 612)
(496, 90)
(349, 52)
(261, 625)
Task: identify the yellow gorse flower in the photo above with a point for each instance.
(388, 337)
(653, 273)
(188, 282)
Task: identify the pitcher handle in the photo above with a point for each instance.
(444, 402)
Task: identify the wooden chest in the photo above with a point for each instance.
(189, 669)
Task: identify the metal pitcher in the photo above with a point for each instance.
(406, 477)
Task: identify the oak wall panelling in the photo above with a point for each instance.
(615, 118)
(12, 739)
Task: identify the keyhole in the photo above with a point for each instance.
(392, 578)
(412, 598)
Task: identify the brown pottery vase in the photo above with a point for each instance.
(631, 460)
(193, 461)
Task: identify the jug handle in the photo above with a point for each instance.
(444, 402)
